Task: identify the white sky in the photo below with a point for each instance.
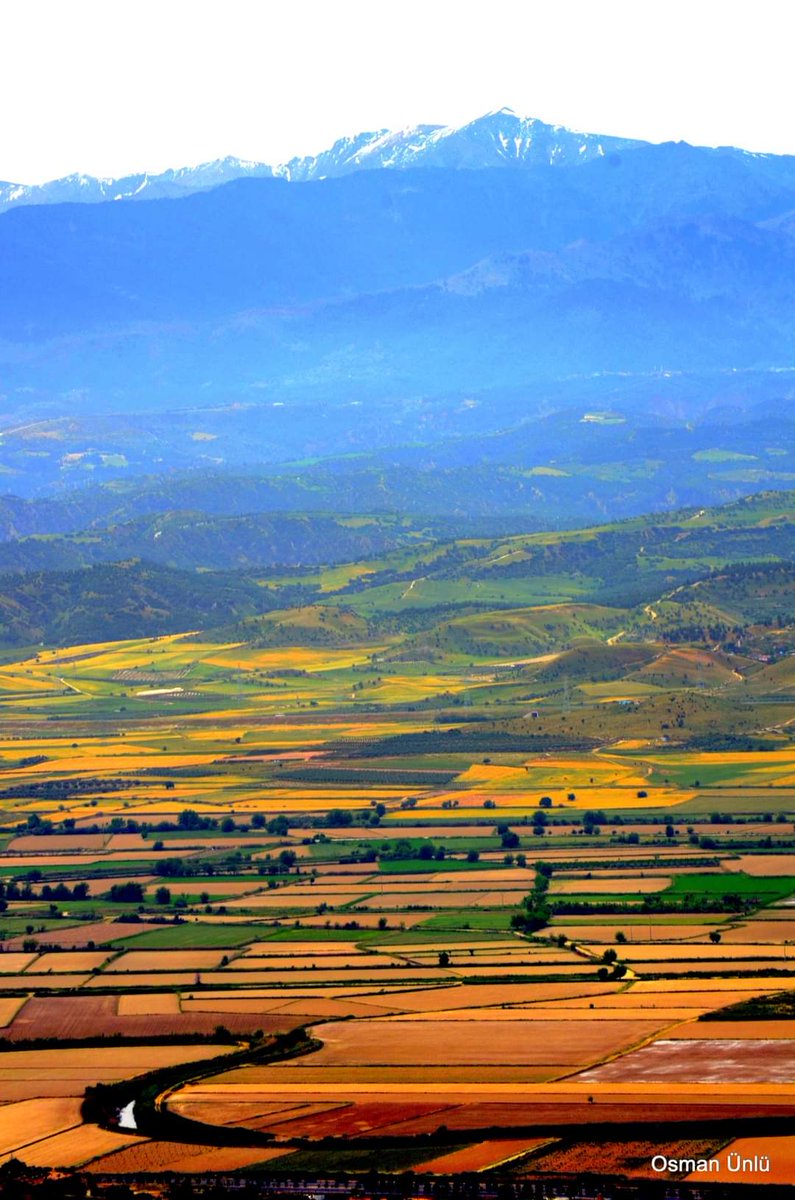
(114, 86)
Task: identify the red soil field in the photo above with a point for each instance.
(502, 1114)
(354, 1120)
(254, 1115)
(95, 1016)
(58, 841)
(78, 936)
(487, 1043)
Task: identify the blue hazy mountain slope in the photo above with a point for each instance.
(267, 320)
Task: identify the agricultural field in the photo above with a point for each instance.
(474, 890)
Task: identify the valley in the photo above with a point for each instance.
(469, 854)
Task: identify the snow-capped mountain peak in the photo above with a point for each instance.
(500, 138)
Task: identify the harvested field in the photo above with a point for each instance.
(101, 887)
(337, 1008)
(445, 833)
(584, 1011)
(11, 861)
(81, 1067)
(232, 1003)
(467, 1106)
(209, 1109)
(736, 1030)
(365, 920)
(51, 843)
(642, 932)
(361, 962)
(35, 982)
(632, 885)
(306, 1007)
(99, 932)
(383, 975)
(131, 841)
(702, 1000)
(63, 961)
(13, 963)
(28, 1121)
(525, 970)
(352, 1120)
(277, 949)
(425, 898)
(774, 932)
(431, 1042)
(509, 879)
(708, 1060)
(126, 979)
(480, 1156)
(463, 942)
(72, 1148)
(182, 1157)
(167, 1003)
(715, 985)
(779, 1150)
(90, 1016)
(476, 995)
(682, 952)
(215, 887)
(287, 898)
(167, 960)
(9, 1007)
(327, 1081)
(762, 865)
(724, 967)
(620, 1158)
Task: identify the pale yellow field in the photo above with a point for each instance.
(67, 1072)
(165, 1003)
(159, 979)
(167, 960)
(338, 962)
(731, 953)
(25, 1121)
(70, 960)
(45, 983)
(73, 1147)
(599, 886)
(762, 865)
(292, 978)
(635, 934)
(11, 963)
(9, 1007)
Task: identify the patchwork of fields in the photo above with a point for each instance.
(334, 907)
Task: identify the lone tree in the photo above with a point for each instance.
(714, 937)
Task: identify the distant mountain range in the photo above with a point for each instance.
(168, 185)
(431, 287)
(497, 139)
